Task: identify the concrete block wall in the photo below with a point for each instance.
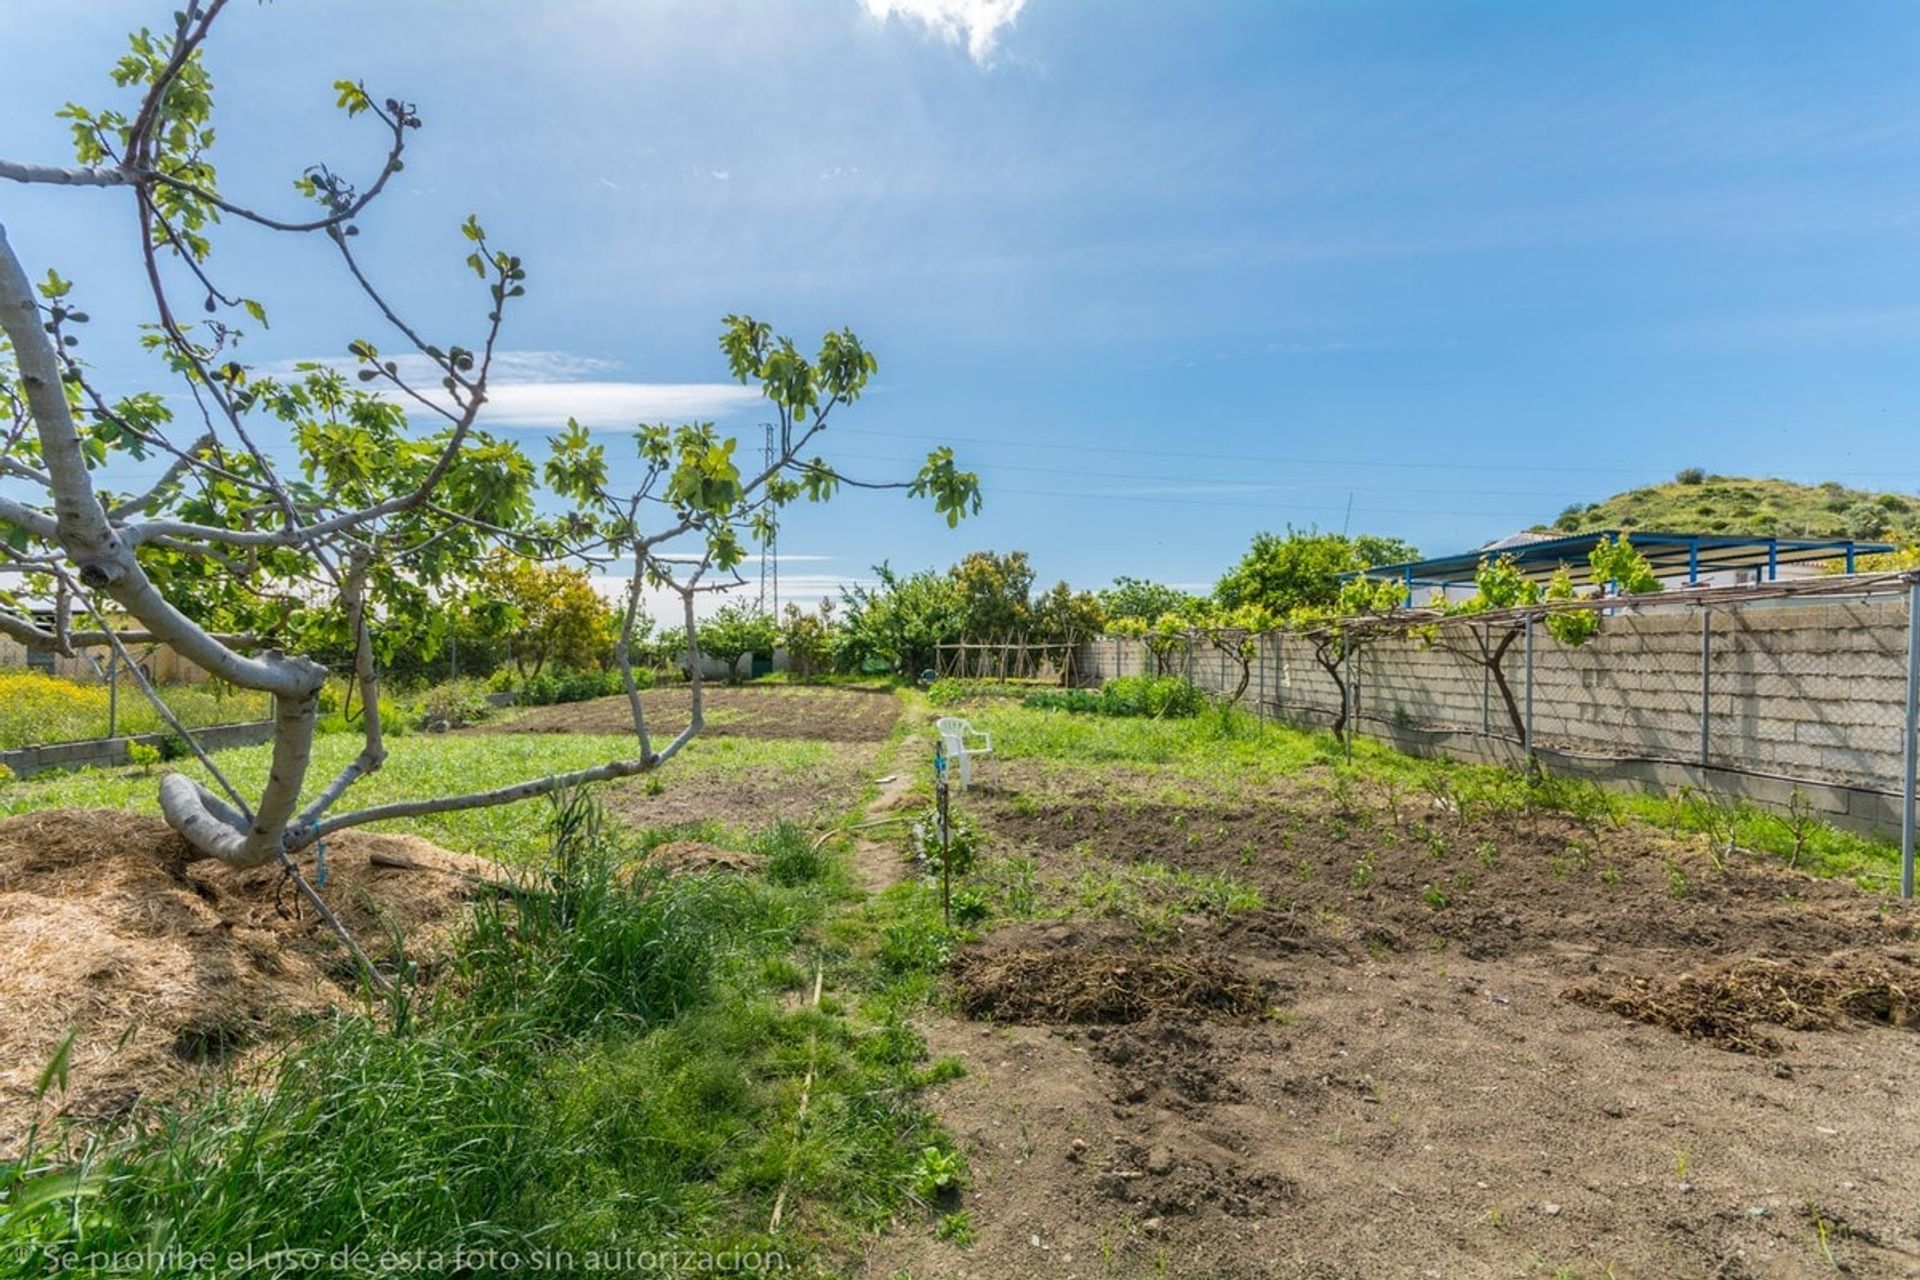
(1812, 693)
(109, 752)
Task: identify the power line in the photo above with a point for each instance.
(1243, 458)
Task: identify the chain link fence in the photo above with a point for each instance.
(1797, 694)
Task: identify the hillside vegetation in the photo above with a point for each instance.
(1697, 503)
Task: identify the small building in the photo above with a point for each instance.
(1679, 559)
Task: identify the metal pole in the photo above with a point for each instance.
(946, 846)
(1486, 681)
(1260, 693)
(1913, 724)
(113, 693)
(1706, 682)
(1350, 705)
(1527, 639)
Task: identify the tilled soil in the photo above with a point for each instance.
(815, 713)
(1501, 1045)
(855, 723)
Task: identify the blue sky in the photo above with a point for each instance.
(1164, 274)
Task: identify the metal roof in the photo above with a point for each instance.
(1671, 555)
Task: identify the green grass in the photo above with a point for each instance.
(1735, 504)
(438, 764)
(1222, 753)
(618, 1061)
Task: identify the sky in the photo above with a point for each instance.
(1165, 275)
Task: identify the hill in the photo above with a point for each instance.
(1694, 502)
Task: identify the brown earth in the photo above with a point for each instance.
(164, 968)
(817, 713)
(854, 722)
(747, 798)
(1498, 1046)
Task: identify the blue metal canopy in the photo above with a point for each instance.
(1672, 555)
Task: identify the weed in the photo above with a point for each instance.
(1363, 870)
(1676, 880)
(955, 1228)
(936, 1173)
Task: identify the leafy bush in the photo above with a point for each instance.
(453, 704)
(946, 692)
(963, 841)
(1159, 697)
(550, 687)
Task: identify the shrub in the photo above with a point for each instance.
(453, 705)
(947, 691)
(1160, 697)
(963, 842)
(1690, 475)
(550, 687)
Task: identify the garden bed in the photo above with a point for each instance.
(1496, 1038)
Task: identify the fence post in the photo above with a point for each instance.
(1527, 641)
(1910, 745)
(1486, 681)
(1349, 705)
(1260, 692)
(1706, 682)
(113, 693)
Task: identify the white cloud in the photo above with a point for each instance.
(545, 388)
(976, 23)
(618, 405)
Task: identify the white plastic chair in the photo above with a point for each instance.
(954, 733)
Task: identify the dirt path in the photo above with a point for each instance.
(877, 861)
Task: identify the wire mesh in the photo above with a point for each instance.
(1798, 688)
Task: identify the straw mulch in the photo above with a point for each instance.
(162, 968)
(1732, 1008)
(1073, 986)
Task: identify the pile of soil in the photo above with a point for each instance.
(1071, 986)
(161, 967)
(691, 857)
(1730, 1007)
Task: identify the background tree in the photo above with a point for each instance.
(736, 630)
(551, 613)
(1342, 629)
(900, 624)
(1499, 585)
(995, 594)
(1303, 569)
(1140, 599)
(375, 516)
(807, 638)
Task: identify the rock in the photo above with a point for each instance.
(1077, 1149)
(1153, 1226)
(1550, 1209)
(1159, 1161)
